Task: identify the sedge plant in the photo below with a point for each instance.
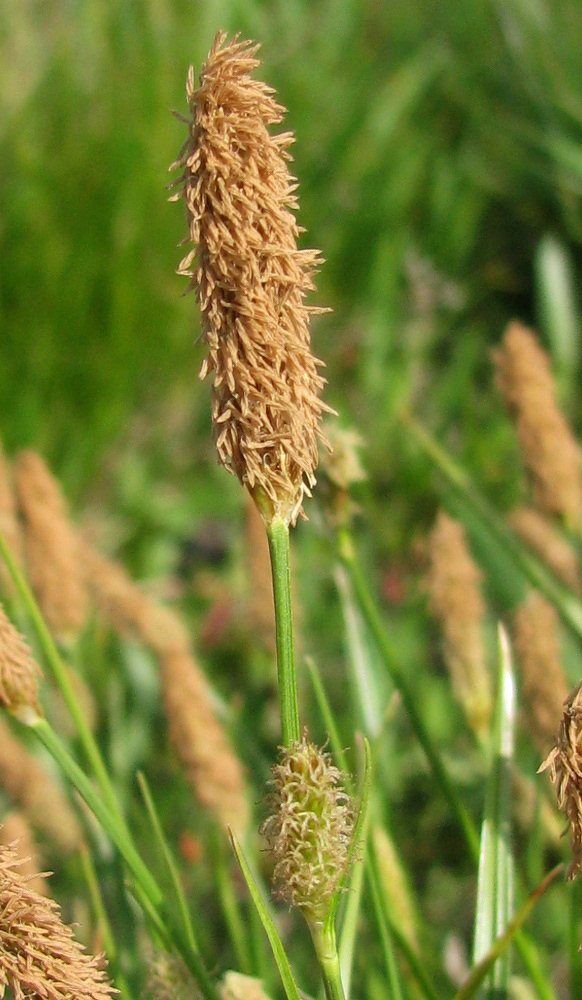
(252, 280)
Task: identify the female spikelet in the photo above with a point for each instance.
(251, 280)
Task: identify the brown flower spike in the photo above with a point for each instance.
(39, 957)
(565, 766)
(251, 281)
(547, 444)
(455, 600)
(19, 674)
(535, 629)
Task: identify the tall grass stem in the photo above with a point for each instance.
(278, 537)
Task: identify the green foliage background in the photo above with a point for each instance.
(440, 162)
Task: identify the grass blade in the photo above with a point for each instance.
(370, 692)
(494, 890)
(327, 714)
(479, 974)
(289, 984)
(358, 835)
(410, 701)
(181, 906)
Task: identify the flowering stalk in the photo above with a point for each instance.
(252, 280)
(278, 535)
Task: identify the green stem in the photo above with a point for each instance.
(278, 537)
(409, 699)
(59, 672)
(327, 955)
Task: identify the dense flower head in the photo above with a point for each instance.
(548, 447)
(564, 763)
(251, 280)
(309, 829)
(54, 562)
(39, 957)
(19, 674)
(455, 599)
(535, 629)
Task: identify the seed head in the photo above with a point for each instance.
(19, 674)
(211, 766)
(15, 832)
(564, 763)
(52, 550)
(251, 281)
(535, 630)
(548, 447)
(309, 829)
(455, 600)
(39, 957)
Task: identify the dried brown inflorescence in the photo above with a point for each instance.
(453, 584)
(31, 788)
(212, 768)
(19, 674)
(549, 449)
(200, 740)
(236, 986)
(309, 829)
(52, 550)
(39, 957)
(564, 763)
(251, 280)
(15, 832)
(540, 534)
(536, 640)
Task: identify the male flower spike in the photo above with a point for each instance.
(251, 281)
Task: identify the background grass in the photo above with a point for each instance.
(439, 154)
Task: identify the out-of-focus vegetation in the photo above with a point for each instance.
(439, 153)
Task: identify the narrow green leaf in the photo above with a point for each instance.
(230, 904)
(279, 955)
(349, 924)
(360, 826)
(410, 701)
(494, 888)
(478, 974)
(164, 847)
(109, 945)
(556, 288)
(369, 683)
(390, 963)
(327, 715)
(144, 886)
